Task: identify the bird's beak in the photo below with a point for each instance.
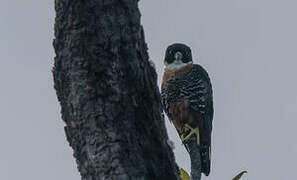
(178, 57)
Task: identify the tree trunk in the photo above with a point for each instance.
(108, 92)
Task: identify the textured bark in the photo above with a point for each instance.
(108, 92)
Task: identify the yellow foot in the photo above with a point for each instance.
(184, 175)
(192, 131)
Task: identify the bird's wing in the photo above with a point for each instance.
(164, 98)
(169, 94)
(197, 88)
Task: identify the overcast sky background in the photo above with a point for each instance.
(247, 46)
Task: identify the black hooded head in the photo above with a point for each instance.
(175, 50)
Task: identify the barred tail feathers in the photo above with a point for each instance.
(205, 159)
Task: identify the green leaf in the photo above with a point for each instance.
(239, 175)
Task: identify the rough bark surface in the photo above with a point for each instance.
(108, 92)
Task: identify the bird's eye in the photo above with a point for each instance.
(169, 57)
(186, 58)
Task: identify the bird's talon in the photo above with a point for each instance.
(192, 131)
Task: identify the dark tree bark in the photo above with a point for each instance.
(108, 92)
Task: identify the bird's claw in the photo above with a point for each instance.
(193, 131)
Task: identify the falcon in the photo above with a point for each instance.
(187, 100)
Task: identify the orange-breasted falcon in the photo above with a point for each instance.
(188, 102)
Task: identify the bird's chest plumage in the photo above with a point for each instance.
(175, 84)
(175, 90)
(188, 84)
(174, 87)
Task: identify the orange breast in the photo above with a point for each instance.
(176, 74)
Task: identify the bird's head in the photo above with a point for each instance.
(177, 55)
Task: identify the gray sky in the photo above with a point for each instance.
(248, 47)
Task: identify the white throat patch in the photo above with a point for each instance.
(176, 65)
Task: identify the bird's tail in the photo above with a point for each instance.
(205, 159)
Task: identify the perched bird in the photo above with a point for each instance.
(188, 102)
